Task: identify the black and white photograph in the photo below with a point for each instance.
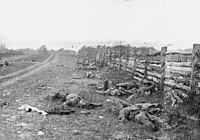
(99, 70)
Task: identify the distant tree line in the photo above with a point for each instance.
(5, 52)
(89, 52)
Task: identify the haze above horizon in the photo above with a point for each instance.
(26, 23)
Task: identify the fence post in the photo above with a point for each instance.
(120, 58)
(110, 57)
(162, 69)
(145, 67)
(104, 59)
(195, 70)
(146, 64)
(114, 59)
(127, 58)
(134, 63)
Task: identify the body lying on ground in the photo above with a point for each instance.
(128, 85)
(126, 88)
(69, 100)
(148, 86)
(75, 100)
(119, 89)
(142, 113)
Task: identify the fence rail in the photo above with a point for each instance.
(178, 69)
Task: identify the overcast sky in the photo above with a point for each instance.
(41, 21)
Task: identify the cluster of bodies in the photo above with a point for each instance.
(142, 113)
(86, 65)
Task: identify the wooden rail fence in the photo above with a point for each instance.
(177, 69)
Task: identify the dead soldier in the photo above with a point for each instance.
(132, 87)
(67, 101)
(75, 100)
(147, 86)
(142, 113)
(127, 88)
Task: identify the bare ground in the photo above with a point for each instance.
(57, 75)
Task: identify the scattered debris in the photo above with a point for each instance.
(12, 118)
(85, 112)
(3, 103)
(29, 108)
(92, 84)
(6, 94)
(101, 117)
(75, 77)
(76, 132)
(23, 124)
(108, 100)
(90, 74)
(18, 100)
(40, 133)
(44, 87)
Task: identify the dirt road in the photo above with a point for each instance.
(14, 77)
